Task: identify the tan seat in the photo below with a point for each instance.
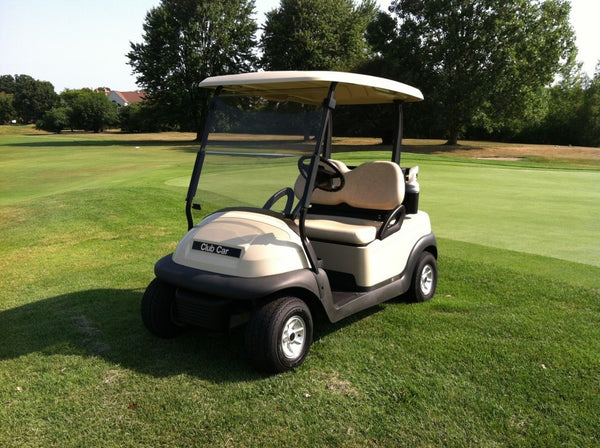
(370, 186)
(342, 229)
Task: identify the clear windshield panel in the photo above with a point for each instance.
(253, 151)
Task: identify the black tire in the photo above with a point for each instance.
(424, 279)
(158, 310)
(279, 335)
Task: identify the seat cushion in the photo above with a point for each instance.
(372, 185)
(345, 230)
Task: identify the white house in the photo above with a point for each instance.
(126, 98)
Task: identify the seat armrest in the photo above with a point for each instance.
(393, 222)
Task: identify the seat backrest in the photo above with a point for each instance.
(373, 185)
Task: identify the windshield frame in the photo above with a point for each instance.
(321, 149)
(322, 141)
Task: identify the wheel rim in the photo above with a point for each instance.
(293, 337)
(426, 279)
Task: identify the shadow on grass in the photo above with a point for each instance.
(176, 144)
(256, 143)
(252, 143)
(106, 323)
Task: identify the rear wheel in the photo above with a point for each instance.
(425, 277)
(279, 335)
(158, 310)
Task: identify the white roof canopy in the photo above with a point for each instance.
(311, 87)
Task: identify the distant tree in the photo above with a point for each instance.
(316, 35)
(574, 115)
(33, 98)
(141, 117)
(55, 120)
(89, 110)
(476, 61)
(7, 110)
(591, 111)
(69, 96)
(186, 41)
(7, 84)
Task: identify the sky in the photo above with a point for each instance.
(83, 43)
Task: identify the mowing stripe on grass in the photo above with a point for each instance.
(508, 205)
(555, 213)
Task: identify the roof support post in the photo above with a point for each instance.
(326, 153)
(323, 141)
(397, 145)
(199, 161)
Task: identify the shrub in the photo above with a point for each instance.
(54, 120)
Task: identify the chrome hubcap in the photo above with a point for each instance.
(293, 337)
(426, 279)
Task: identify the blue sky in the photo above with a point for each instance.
(82, 43)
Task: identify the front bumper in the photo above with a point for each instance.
(217, 301)
(232, 287)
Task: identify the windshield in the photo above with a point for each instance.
(252, 152)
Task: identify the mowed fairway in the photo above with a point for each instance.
(506, 354)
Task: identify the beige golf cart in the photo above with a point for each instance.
(290, 230)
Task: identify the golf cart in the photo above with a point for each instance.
(302, 233)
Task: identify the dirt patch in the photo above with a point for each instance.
(90, 335)
(503, 159)
(476, 149)
(502, 151)
(339, 386)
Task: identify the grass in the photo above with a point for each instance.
(506, 354)
(549, 210)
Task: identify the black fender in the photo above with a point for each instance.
(233, 287)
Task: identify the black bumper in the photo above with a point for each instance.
(212, 313)
(209, 300)
(232, 287)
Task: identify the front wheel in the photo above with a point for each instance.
(424, 280)
(158, 310)
(279, 335)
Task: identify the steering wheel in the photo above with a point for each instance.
(329, 176)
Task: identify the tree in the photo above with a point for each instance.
(591, 111)
(54, 120)
(316, 35)
(7, 84)
(89, 110)
(33, 98)
(476, 61)
(574, 118)
(186, 41)
(82, 109)
(7, 111)
(140, 117)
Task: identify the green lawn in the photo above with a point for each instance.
(506, 354)
(549, 210)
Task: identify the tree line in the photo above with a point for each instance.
(488, 69)
(27, 100)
